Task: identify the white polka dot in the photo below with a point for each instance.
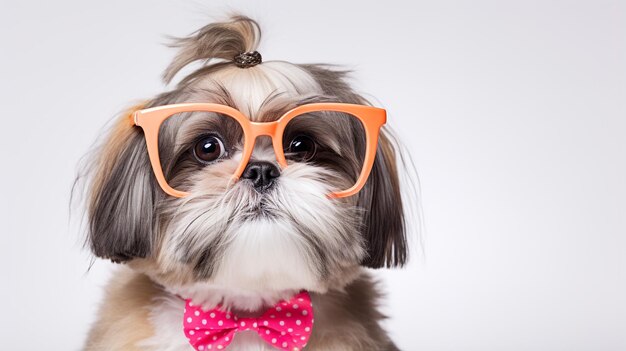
(273, 340)
(201, 347)
(243, 324)
(204, 321)
(255, 325)
(207, 332)
(190, 304)
(298, 322)
(307, 329)
(303, 338)
(220, 323)
(219, 347)
(228, 316)
(283, 333)
(197, 313)
(290, 330)
(189, 319)
(214, 338)
(278, 309)
(267, 332)
(265, 323)
(281, 323)
(197, 328)
(227, 338)
(284, 344)
(210, 347)
(295, 306)
(288, 314)
(212, 315)
(272, 316)
(300, 299)
(191, 332)
(305, 312)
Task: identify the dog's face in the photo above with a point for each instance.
(273, 229)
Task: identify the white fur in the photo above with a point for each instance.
(250, 87)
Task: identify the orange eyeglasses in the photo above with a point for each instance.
(370, 118)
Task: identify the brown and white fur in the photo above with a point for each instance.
(228, 243)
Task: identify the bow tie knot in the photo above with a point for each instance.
(286, 326)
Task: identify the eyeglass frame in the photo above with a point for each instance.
(151, 119)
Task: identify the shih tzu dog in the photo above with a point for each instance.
(244, 207)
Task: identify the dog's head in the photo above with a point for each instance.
(274, 228)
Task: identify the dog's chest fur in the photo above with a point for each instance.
(138, 315)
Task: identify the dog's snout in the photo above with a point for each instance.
(262, 174)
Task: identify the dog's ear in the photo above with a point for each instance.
(385, 226)
(121, 195)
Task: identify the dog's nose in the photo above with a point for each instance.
(262, 174)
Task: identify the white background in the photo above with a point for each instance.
(514, 113)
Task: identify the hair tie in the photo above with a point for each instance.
(247, 59)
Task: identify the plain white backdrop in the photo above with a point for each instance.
(514, 113)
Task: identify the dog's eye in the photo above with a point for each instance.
(209, 149)
(302, 148)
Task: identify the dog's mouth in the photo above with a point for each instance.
(262, 209)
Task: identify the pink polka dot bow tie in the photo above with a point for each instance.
(286, 326)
